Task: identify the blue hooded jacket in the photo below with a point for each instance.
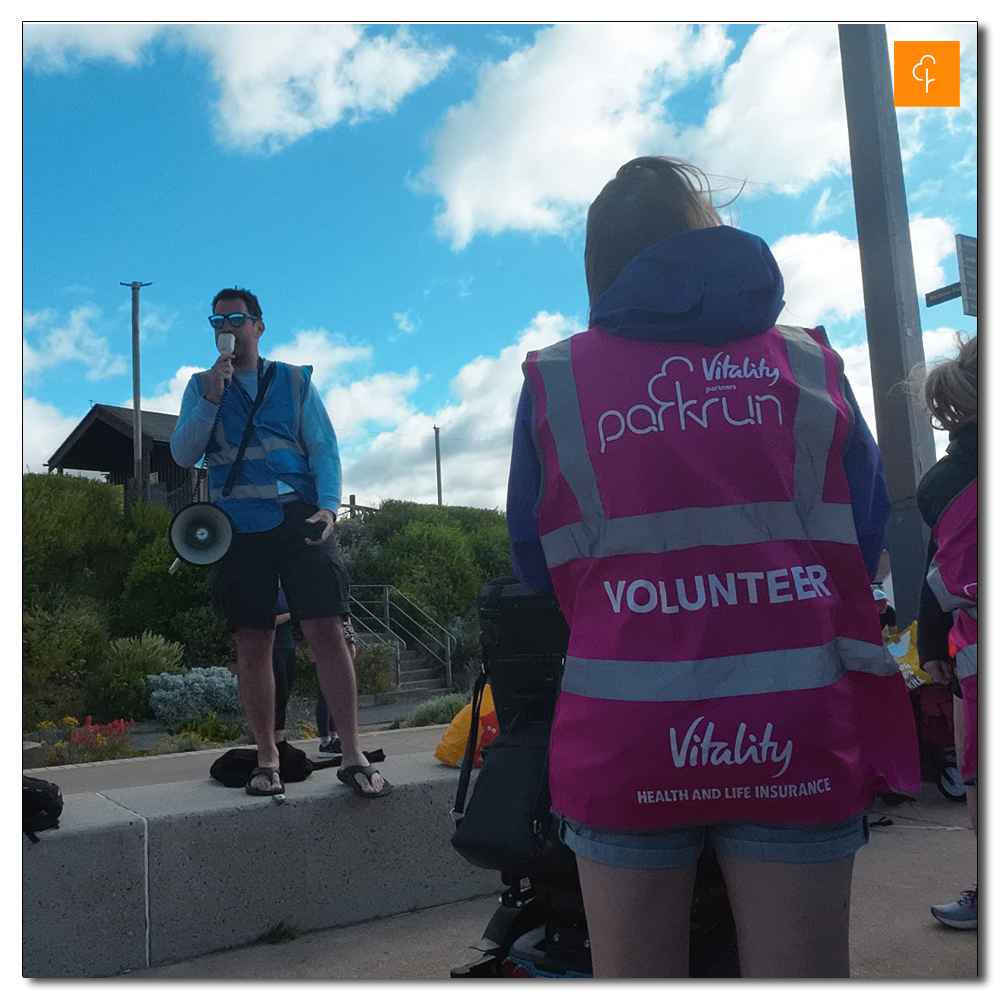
(707, 286)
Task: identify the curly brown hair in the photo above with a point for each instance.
(951, 388)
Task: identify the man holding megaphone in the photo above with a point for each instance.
(274, 468)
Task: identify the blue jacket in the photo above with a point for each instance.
(708, 286)
(293, 448)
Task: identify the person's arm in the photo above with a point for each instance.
(866, 480)
(194, 426)
(524, 488)
(323, 455)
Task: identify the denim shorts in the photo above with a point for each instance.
(682, 846)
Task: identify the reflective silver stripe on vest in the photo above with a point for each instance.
(967, 661)
(562, 412)
(675, 530)
(273, 443)
(725, 676)
(945, 598)
(805, 517)
(815, 419)
(247, 491)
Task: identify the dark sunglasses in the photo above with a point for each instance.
(236, 320)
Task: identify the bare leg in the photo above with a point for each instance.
(335, 672)
(971, 794)
(792, 920)
(638, 919)
(255, 676)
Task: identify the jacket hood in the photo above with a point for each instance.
(709, 286)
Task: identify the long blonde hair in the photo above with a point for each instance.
(951, 388)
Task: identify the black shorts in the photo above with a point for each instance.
(244, 584)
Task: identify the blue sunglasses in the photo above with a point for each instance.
(236, 320)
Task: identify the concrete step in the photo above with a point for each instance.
(434, 686)
(417, 674)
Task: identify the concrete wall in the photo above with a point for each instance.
(152, 875)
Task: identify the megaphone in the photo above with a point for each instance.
(201, 534)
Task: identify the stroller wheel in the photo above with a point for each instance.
(950, 784)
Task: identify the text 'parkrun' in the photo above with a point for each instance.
(643, 419)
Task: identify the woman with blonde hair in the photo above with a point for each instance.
(947, 626)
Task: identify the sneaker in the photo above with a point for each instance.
(963, 914)
(330, 748)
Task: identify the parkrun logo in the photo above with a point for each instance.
(720, 373)
(926, 75)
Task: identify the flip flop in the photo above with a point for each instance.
(346, 775)
(272, 773)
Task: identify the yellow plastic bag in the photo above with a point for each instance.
(451, 749)
(904, 651)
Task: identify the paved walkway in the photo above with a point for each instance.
(927, 855)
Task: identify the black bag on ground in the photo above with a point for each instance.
(234, 767)
(42, 805)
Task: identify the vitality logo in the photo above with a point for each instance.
(925, 74)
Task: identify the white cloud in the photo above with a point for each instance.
(780, 120)
(327, 353)
(822, 271)
(168, 401)
(476, 433)
(404, 322)
(75, 341)
(282, 81)
(549, 126)
(932, 240)
(379, 399)
(822, 275)
(279, 81)
(43, 429)
(58, 46)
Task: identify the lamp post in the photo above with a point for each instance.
(141, 486)
(892, 315)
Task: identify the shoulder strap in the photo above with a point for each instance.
(470, 748)
(261, 390)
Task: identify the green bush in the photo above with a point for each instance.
(375, 668)
(437, 711)
(211, 728)
(72, 535)
(152, 596)
(64, 638)
(119, 688)
(432, 564)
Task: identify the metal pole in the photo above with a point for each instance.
(437, 453)
(139, 478)
(892, 314)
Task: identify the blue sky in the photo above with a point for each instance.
(408, 205)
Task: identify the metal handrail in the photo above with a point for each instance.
(389, 600)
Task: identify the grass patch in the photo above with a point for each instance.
(278, 934)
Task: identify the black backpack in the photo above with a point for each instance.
(42, 806)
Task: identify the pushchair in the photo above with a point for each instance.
(539, 929)
(934, 717)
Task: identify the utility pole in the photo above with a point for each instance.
(437, 455)
(892, 314)
(141, 486)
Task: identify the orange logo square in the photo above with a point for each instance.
(925, 74)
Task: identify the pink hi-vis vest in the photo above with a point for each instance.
(953, 576)
(725, 659)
